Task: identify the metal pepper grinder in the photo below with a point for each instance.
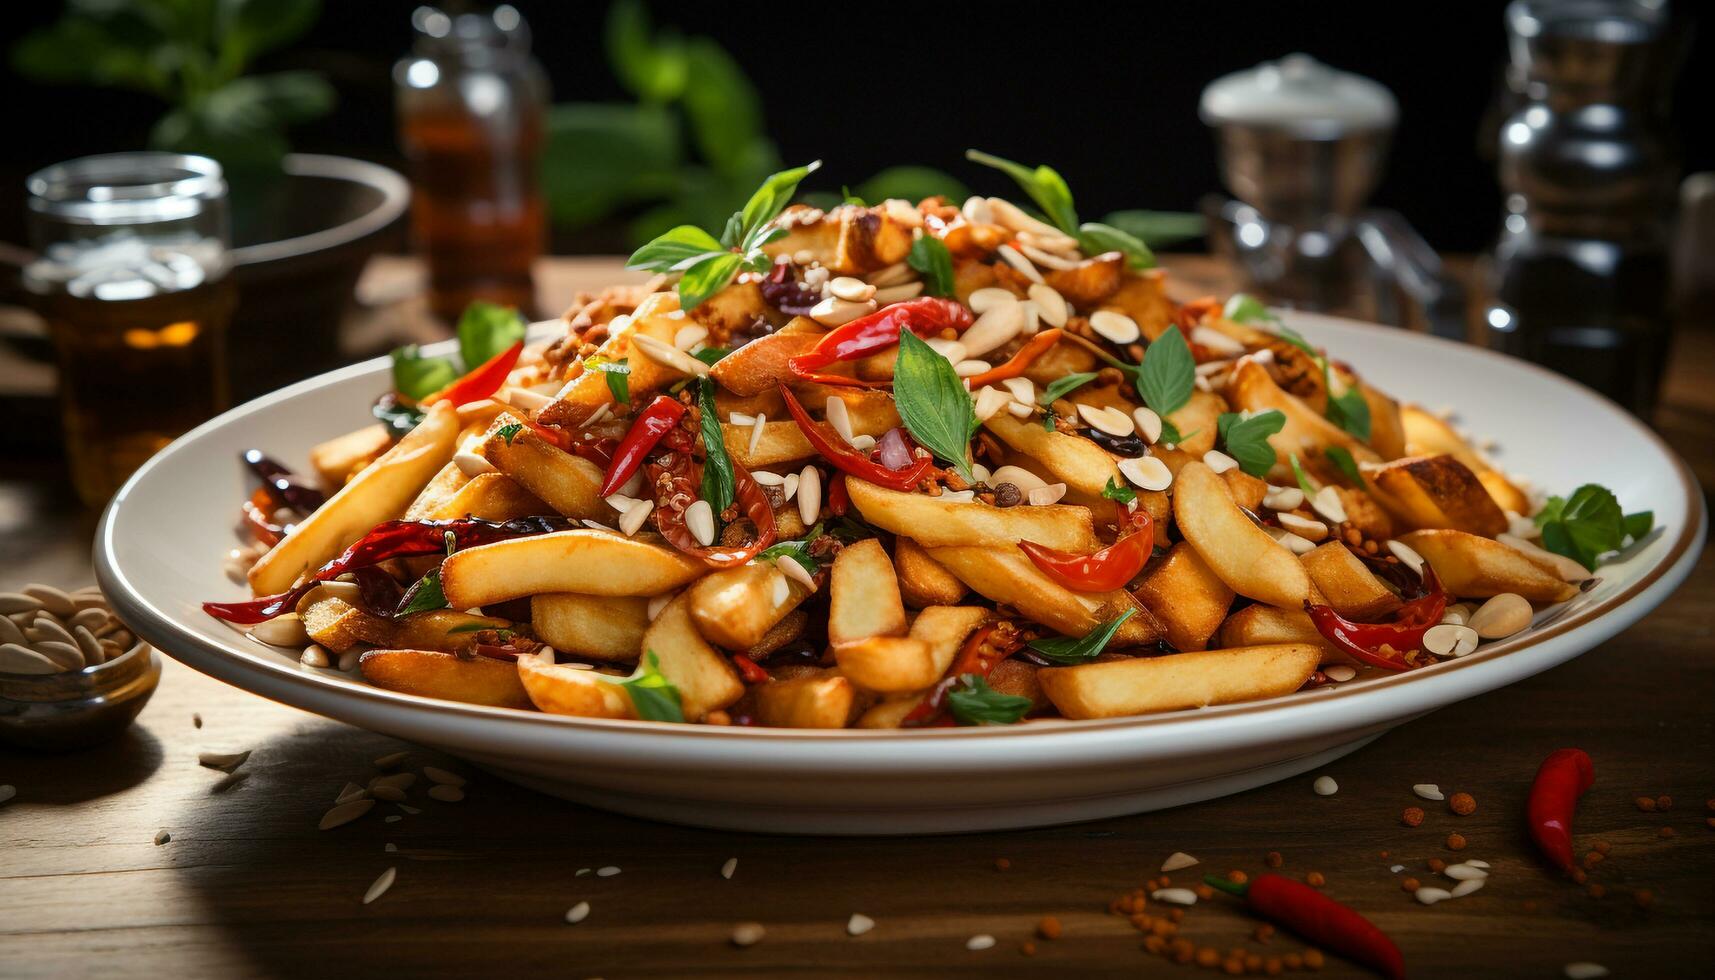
(1302, 147)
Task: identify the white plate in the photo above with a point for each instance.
(158, 555)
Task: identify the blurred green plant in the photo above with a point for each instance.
(192, 54)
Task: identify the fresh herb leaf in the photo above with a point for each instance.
(711, 355)
(1170, 433)
(1297, 340)
(1349, 411)
(417, 377)
(1095, 238)
(469, 628)
(933, 403)
(1242, 308)
(509, 432)
(707, 277)
(798, 551)
(769, 200)
(1304, 483)
(617, 374)
(652, 695)
(1639, 525)
(1586, 525)
(719, 484)
(1346, 464)
(1113, 491)
(1044, 185)
(1048, 420)
(1168, 374)
(929, 256)
(1081, 649)
(485, 329)
(848, 197)
(674, 250)
(1159, 228)
(973, 702)
(425, 595)
(1246, 439)
(1064, 385)
(399, 419)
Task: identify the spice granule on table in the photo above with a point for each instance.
(1463, 804)
(1412, 817)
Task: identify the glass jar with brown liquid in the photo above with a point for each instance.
(130, 273)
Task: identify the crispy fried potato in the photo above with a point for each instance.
(1018, 679)
(737, 308)
(945, 629)
(933, 522)
(705, 679)
(863, 597)
(1198, 422)
(790, 627)
(608, 628)
(447, 630)
(1247, 490)
(589, 390)
(1364, 513)
(337, 459)
(1090, 283)
(888, 664)
(438, 492)
(1255, 626)
(565, 482)
(759, 366)
(380, 493)
(1428, 435)
(1474, 567)
(490, 496)
(562, 689)
(1005, 575)
(1079, 463)
(890, 711)
(1435, 492)
(1236, 550)
(923, 581)
(433, 674)
(1387, 429)
(1143, 685)
(1058, 361)
(1305, 433)
(1143, 297)
(339, 626)
(805, 702)
(1347, 584)
(1186, 596)
(736, 607)
(585, 561)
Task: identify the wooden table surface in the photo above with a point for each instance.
(248, 886)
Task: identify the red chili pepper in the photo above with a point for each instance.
(1564, 777)
(662, 415)
(748, 671)
(258, 518)
(672, 483)
(1110, 568)
(481, 382)
(1018, 363)
(849, 460)
(985, 648)
(925, 316)
(839, 498)
(1363, 641)
(1319, 919)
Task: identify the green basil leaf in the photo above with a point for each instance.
(423, 596)
(472, 628)
(1170, 433)
(1640, 524)
(1346, 464)
(681, 245)
(719, 483)
(1242, 308)
(399, 419)
(707, 277)
(933, 403)
(1587, 525)
(616, 373)
(1159, 228)
(1246, 439)
(1297, 340)
(1044, 185)
(847, 197)
(509, 432)
(1048, 420)
(651, 66)
(973, 702)
(652, 695)
(1095, 238)
(417, 377)
(1349, 411)
(1168, 374)
(485, 329)
(1304, 483)
(798, 551)
(711, 355)
(929, 256)
(1064, 385)
(769, 200)
(1080, 649)
(1114, 491)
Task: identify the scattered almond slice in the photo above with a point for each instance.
(1176, 861)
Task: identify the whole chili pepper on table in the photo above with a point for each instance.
(1565, 776)
(646, 432)
(1364, 641)
(925, 317)
(1319, 919)
(849, 460)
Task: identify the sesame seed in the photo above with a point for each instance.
(747, 933)
(443, 777)
(727, 868)
(1468, 886)
(1396, 869)
(379, 888)
(980, 942)
(392, 818)
(344, 813)
(226, 761)
(1428, 791)
(161, 837)
(581, 872)
(607, 872)
(859, 924)
(1176, 861)
(350, 791)
(1325, 786)
(1429, 896)
(577, 913)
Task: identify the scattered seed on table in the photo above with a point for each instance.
(581, 872)
(350, 791)
(345, 813)
(1175, 896)
(445, 778)
(196, 721)
(1396, 869)
(1001, 864)
(1315, 879)
(1585, 971)
(391, 794)
(577, 913)
(1049, 927)
(1465, 872)
(1463, 804)
(1429, 895)
(1645, 804)
(1428, 791)
(980, 942)
(1410, 884)
(727, 868)
(1178, 861)
(161, 837)
(1436, 865)
(1473, 862)
(392, 818)
(1455, 842)
(225, 761)
(1665, 832)
(1644, 897)
(1273, 859)
(390, 760)
(379, 888)
(1664, 802)
(607, 872)
(1464, 888)
(445, 793)
(747, 933)
(390, 848)
(7, 792)
(1412, 816)
(408, 808)
(859, 924)
(1596, 890)
(1325, 786)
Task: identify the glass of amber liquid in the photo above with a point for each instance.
(130, 273)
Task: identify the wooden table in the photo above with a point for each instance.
(248, 886)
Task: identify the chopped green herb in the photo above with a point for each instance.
(652, 695)
(1064, 385)
(708, 277)
(1080, 649)
(425, 595)
(929, 256)
(1304, 483)
(485, 329)
(1346, 464)
(509, 432)
(1113, 491)
(798, 551)
(1246, 309)
(711, 355)
(1246, 439)
(417, 377)
(1044, 185)
(1348, 410)
(1589, 524)
(719, 483)
(616, 373)
(399, 419)
(933, 403)
(1168, 374)
(973, 702)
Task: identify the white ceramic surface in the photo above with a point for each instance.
(158, 555)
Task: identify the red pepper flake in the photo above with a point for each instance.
(1048, 928)
(1412, 817)
(1455, 842)
(1665, 832)
(1592, 858)
(1436, 865)
(1208, 956)
(1579, 876)
(1646, 804)
(1237, 877)
(1463, 804)
(1274, 860)
(1410, 884)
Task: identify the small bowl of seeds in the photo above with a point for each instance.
(71, 674)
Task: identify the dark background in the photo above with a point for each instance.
(1106, 92)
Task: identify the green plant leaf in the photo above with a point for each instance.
(711, 355)
(83, 50)
(1349, 411)
(1246, 439)
(1244, 308)
(973, 702)
(485, 329)
(247, 28)
(719, 482)
(417, 377)
(1067, 650)
(1096, 238)
(1586, 525)
(1168, 374)
(1346, 464)
(707, 277)
(929, 256)
(1064, 385)
(617, 374)
(652, 66)
(769, 200)
(1158, 228)
(682, 245)
(399, 419)
(605, 157)
(933, 403)
(911, 183)
(424, 596)
(1113, 491)
(725, 112)
(652, 695)
(798, 551)
(1303, 478)
(1044, 185)
(1640, 524)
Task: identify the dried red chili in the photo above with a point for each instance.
(925, 316)
(674, 489)
(849, 460)
(258, 517)
(839, 498)
(1110, 568)
(281, 484)
(985, 648)
(1364, 641)
(748, 670)
(651, 424)
(1018, 363)
(1319, 919)
(483, 380)
(1563, 777)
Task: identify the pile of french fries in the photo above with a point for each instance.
(1218, 614)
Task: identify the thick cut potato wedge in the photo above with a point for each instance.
(1475, 567)
(1090, 283)
(889, 712)
(1236, 550)
(705, 679)
(1306, 432)
(437, 493)
(380, 493)
(657, 317)
(848, 240)
(339, 626)
(1435, 492)
(1427, 435)
(933, 522)
(1006, 576)
(1198, 421)
(863, 596)
(337, 459)
(945, 629)
(608, 628)
(1188, 598)
(736, 607)
(561, 689)
(1347, 584)
(434, 674)
(585, 561)
(805, 702)
(491, 496)
(1365, 514)
(790, 627)
(888, 664)
(1144, 685)
(447, 630)
(1387, 428)
(759, 366)
(1143, 297)
(1255, 626)
(923, 581)
(565, 482)
(1079, 463)
(1248, 491)
(737, 308)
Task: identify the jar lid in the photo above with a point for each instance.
(1302, 94)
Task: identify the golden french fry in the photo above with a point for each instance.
(1428, 435)
(585, 561)
(1259, 625)
(447, 630)
(889, 712)
(1198, 422)
(736, 607)
(608, 628)
(490, 496)
(805, 702)
(848, 240)
(1435, 492)
(760, 366)
(1188, 598)
(1006, 576)
(923, 581)
(1348, 585)
(339, 626)
(439, 491)
(434, 674)
(589, 390)
(1079, 463)
(337, 459)
(736, 309)
(1475, 567)
(1143, 685)
(945, 629)
(888, 664)
(933, 522)
(565, 482)
(1247, 490)
(380, 493)
(1236, 550)
(1305, 433)
(705, 679)
(1090, 282)
(863, 596)
(1143, 297)
(561, 689)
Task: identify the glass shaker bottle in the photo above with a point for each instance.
(471, 102)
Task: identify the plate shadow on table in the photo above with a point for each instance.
(112, 768)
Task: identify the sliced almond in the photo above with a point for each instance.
(1148, 424)
(1022, 389)
(1283, 498)
(1110, 420)
(1018, 476)
(1303, 527)
(690, 335)
(632, 520)
(1216, 341)
(970, 369)
(1327, 503)
(669, 356)
(989, 401)
(1011, 256)
(993, 329)
(1502, 616)
(1219, 462)
(700, 519)
(1116, 327)
(1407, 555)
(1050, 305)
(888, 295)
(1045, 495)
(1448, 640)
(1146, 472)
(989, 297)
(851, 290)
